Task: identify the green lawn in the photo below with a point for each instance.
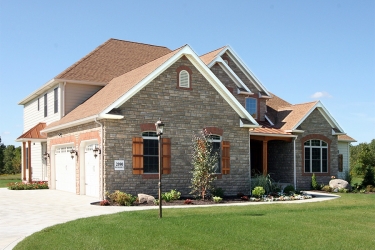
(344, 223)
(7, 178)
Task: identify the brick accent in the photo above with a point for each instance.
(148, 127)
(214, 131)
(315, 137)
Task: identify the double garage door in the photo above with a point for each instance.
(66, 171)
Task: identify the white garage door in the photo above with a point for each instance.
(91, 171)
(65, 170)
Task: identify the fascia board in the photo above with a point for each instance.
(325, 114)
(231, 74)
(110, 116)
(250, 75)
(70, 124)
(273, 135)
(268, 119)
(51, 84)
(197, 62)
(38, 92)
(242, 125)
(30, 139)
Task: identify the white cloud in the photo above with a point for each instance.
(318, 95)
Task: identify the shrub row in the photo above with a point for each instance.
(28, 186)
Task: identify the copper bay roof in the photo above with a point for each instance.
(34, 133)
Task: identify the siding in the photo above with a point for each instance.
(32, 116)
(76, 94)
(343, 149)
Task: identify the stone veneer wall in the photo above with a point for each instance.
(316, 124)
(280, 161)
(184, 113)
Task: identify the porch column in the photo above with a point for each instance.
(265, 157)
(24, 161)
(29, 160)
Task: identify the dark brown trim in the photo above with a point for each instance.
(256, 97)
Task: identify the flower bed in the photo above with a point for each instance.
(28, 186)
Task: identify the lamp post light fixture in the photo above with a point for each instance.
(73, 153)
(96, 151)
(45, 155)
(159, 125)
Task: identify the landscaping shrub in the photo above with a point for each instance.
(327, 188)
(265, 181)
(121, 198)
(314, 183)
(219, 192)
(217, 199)
(172, 195)
(28, 186)
(370, 188)
(289, 189)
(258, 192)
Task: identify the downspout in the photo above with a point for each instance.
(101, 156)
(294, 163)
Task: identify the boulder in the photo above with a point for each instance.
(338, 184)
(145, 198)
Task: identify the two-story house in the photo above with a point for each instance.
(91, 128)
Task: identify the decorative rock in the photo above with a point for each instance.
(143, 198)
(339, 184)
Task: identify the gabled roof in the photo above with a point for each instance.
(215, 56)
(34, 133)
(111, 59)
(122, 88)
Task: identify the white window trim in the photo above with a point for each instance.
(180, 81)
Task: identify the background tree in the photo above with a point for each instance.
(361, 156)
(204, 162)
(16, 162)
(8, 159)
(2, 147)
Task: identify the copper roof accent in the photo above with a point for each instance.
(34, 132)
(345, 138)
(266, 128)
(208, 57)
(112, 91)
(111, 59)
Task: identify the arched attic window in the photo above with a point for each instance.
(184, 79)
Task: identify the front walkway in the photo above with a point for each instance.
(24, 212)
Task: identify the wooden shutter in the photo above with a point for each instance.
(166, 150)
(137, 155)
(225, 157)
(341, 163)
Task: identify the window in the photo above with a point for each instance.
(316, 156)
(146, 154)
(55, 100)
(251, 107)
(216, 149)
(45, 105)
(150, 152)
(184, 79)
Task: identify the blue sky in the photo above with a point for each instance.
(299, 50)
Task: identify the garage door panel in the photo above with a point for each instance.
(91, 171)
(65, 170)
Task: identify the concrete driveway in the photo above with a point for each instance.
(24, 212)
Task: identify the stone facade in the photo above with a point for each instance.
(185, 112)
(280, 161)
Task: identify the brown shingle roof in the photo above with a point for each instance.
(111, 59)
(34, 132)
(276, 102)
(288, 117)
(112, 91)
(346, 138)
(207, 58)
(266, 128)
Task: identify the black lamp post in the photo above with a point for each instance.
(159, 131)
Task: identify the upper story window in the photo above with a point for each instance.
(56, 100)
(184, 81)
(45, 105)
(251, 107)
(184, 77)
(316, 156)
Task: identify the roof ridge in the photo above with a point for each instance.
(137, 43)
(214, 50)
